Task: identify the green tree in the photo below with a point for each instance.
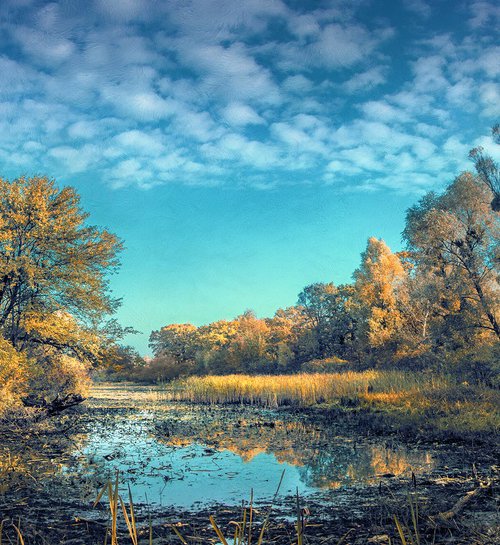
(331, 322)
(181, 341)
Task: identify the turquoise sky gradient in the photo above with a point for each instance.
(244, 151)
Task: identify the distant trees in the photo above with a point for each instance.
(178, 340)
(54, 267)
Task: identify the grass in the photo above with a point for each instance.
(243, 528)
(410, 398)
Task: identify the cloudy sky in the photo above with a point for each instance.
(244, 149)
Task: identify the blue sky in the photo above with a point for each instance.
(244, 149)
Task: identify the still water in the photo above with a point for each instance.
(187, 458)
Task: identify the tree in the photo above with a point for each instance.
(456, 237)
(248, 349)
(177, 340)
(121, 360)
(287, 329)
(327, 308)
(375, 293)
(54, 293)
(487, 169)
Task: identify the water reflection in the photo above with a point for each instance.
(186, 458)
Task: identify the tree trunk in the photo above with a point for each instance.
(491, 317)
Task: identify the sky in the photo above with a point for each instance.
(243, 150)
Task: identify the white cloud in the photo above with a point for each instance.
(484, 13)
(419, 7)
(44, 48)
(380, 110)
(297, 84)
(489, 94)
(141, 142)
(85, 130)
(209, 92)
(367, 80)
(77, 159)
(143, 105)
(240, 114)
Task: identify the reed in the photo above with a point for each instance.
(408, 397)
(301, 389)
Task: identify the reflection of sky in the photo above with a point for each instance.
(186, 475)
(183, 476)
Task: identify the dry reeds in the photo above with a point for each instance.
(302, 389)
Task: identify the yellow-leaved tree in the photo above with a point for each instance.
(54, 293)
(375, 294)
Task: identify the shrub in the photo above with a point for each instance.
(54, 374)
(327, 365)
(162, 369)
(13, 375)
(480, 365)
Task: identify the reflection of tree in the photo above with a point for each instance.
(325, 461)
(336, 463)
(33, 458)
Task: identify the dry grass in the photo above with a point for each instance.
(413, 397)
(303, 389)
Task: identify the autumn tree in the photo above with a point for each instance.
(249, 347)
(288, 329)
(376, 282)
(456, 238)
(54, 267)
(121, 360)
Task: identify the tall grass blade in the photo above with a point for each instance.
(300, 525)
(220, 535)
(20, 539)
(266, 520)
(250, 519)
(179, 535)
(400, 531)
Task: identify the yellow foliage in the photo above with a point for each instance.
(55, 373)
(376, 283)
(13, 375)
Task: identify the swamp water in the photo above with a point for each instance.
(190, 457)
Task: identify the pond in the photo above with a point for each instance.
(190, 457)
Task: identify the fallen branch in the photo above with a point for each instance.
(459, 506)
(56, 406)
